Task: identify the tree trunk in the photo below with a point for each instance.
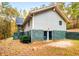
(77, 23)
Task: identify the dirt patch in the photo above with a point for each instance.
(61, 44)
(73, 30)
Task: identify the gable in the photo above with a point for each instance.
(53, 8)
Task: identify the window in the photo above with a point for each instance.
(60, 22)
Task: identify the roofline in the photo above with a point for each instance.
(43, 9)
(61, 13)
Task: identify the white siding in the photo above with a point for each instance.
(47, 20)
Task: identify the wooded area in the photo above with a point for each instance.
(7, 20)
(7, 27)
(72, 12)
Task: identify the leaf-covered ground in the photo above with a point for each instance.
(11, 47)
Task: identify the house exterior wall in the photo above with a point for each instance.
(37, 35)
(58, 34)
(28, 28)
(48, 20)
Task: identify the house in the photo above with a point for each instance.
(19, 32)
(19, 22)
(46, 24)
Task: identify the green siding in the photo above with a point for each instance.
(36, 35)
(17, 35)
(59, 34)
(72, 35)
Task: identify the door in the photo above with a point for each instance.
(50, 35)
(45, 35)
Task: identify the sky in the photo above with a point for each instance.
(27, 5)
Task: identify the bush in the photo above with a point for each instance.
(25, 39)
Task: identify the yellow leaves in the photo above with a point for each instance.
(11, 47)
(26, 14)
(1, 36)
(7, 26)
(11, 12)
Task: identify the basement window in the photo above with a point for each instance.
(60, 22)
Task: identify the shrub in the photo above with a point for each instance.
(25, 39)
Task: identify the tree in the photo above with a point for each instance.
(6, 5)
(7, 23)
(25, 13)
(8, 10)
(60, 4)
(11, 12)
(73, 10)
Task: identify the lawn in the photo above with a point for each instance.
(11, 47)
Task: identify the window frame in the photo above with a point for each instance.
(60, 23)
